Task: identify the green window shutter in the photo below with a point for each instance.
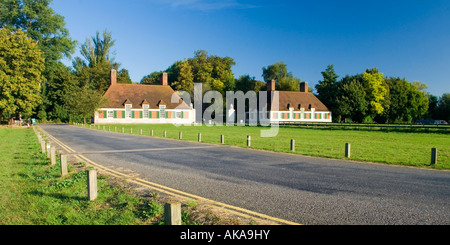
(105, 114)
(167, 114)
(182, 114)
(115, 114)
(132, 114)
(157, 114)
(141, 113)
(123, 114)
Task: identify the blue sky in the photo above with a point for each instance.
(402, 38)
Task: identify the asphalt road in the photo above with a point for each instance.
(306, 190)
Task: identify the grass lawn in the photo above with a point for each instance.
(402, 148)
(33, 193)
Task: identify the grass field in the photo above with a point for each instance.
(33, 193)
(391, 147)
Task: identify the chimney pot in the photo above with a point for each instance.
(113, 76)
(164, 79)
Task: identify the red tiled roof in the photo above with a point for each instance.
(137, 94)
(299, 100)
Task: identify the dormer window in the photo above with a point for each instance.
(145, 112)
(128, 110)
(162, 111)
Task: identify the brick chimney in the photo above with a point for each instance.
(113, 77)
(304, 87)
(271, 85)
(164, 79)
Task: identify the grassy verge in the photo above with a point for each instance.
(391, 147)
(33, 193)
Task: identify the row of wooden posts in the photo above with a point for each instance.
(172, 211)
(292, 148)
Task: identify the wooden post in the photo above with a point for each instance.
(52, 156)
(92, 184)
(292, 145)
(165, 133)
(48, 149)
(140, 131)
(151, 132)
(180, 135)
(248, 140)
(64, 171)
(43, 146)
(115, 129)
(433, 156)
(222, 139)
(131, 130)
(199, 137)
(172, 214)
(123, 130)
(347, 150)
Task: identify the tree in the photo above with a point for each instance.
(41, 23)
(407, 101)
(97, 60)
(185, 80)
(21, 67)
(123, 76)
(153, 78)
(351, 101)
(56, 93)
(432, 107)
(285, 80)
(97, 50)
(326, 89)
(212, 71)
(247, 83)
(275, 71)
(443, 107)
(84, 101)
(38, 20)
(375, 90)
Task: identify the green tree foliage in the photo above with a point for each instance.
(376, 92)
(84, 101)
(214, 72)
(21, 67)
(351, 100)
(38, 20)
(443, 107)
(285, 81)
(55, 103)
(153, 78)
(247, 83)
(327, 88)
(94, 67)
(185, 80)
(370, 97)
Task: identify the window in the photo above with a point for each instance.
(162, 111)
(110, 114)
(179, 114)
(145, 112)
(128, 111)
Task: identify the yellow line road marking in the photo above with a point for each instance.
(170, 191)
(152, 149)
